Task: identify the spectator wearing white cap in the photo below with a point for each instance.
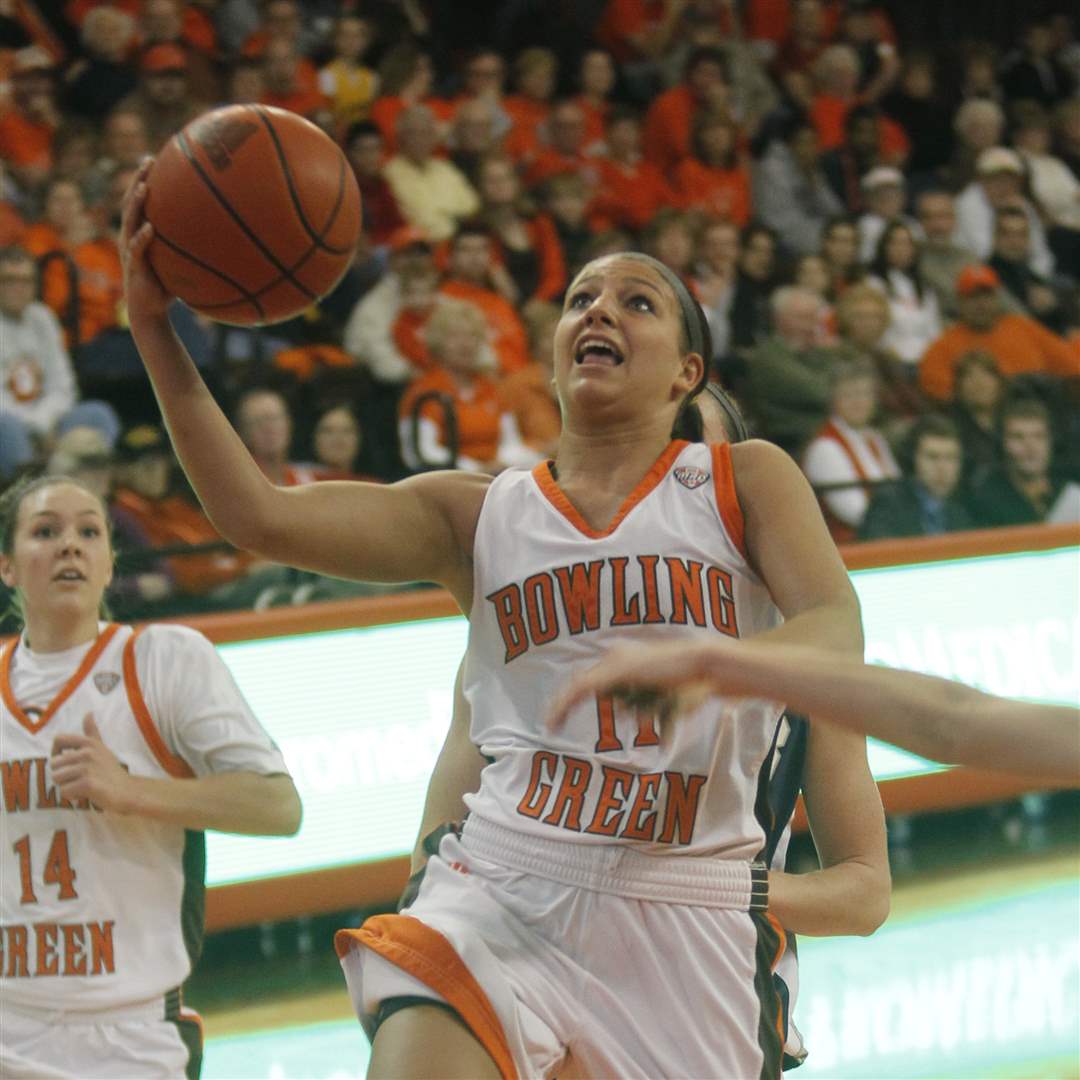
(885, 195)
(998, 184)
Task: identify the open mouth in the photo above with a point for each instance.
(70, 575)
(593, 350)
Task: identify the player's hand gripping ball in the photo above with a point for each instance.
(256, 214)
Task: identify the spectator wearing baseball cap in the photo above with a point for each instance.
(884, 192)
(28, 126)
(999, 184)
(1018, 343)
(164, 97)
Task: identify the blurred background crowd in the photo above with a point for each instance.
(877, 205)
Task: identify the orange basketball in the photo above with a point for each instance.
(256, 214)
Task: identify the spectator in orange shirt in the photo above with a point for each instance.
(1019, 344)
(336, 442)
(714, 179)
(487, 436)
(473, 275)
(528, 247)
(836, 77)
(530, 393)
(631, 190)
(563, 149)
(536, 72)
(81, 278)
(670, 119)
(596, 81)
(285, 85)
(264, 423)
(28, 126)
(483, 82)
(406, 76)
(281, 20)
(145, 493)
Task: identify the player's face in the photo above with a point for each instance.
(618, 342)
(61, 559)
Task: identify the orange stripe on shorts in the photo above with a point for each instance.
(426, 955)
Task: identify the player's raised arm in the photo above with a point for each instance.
(417, 530)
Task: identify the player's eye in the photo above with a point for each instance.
(640, 302)
(579, 300)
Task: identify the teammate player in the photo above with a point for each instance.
(603, 896)
(936, 718)
(117, 749)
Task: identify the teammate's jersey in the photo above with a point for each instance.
(100, 910)
(551, 596)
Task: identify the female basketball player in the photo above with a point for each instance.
(119, 747)
(607, 907)
(936, 718)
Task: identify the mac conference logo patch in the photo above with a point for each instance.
(690, 476)
(106, 681)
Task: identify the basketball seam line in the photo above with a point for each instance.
(316, 237)
(225, 205)
(246, 295)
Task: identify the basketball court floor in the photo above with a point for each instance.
(976, 973)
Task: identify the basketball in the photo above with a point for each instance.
(256, 214)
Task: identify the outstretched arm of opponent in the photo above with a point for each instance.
(420, 529)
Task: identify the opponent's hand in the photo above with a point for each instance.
(669, 678)
(83, 767)
(144, 292)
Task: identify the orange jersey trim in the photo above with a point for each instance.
(425, 954)
(173, 765)
(554, 494)
(727, 500)
(69, 688)
(781, 947)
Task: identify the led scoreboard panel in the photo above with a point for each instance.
(358, 696)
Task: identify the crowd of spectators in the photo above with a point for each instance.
(883, 232)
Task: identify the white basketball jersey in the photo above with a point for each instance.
(92, 905)
(551, 596)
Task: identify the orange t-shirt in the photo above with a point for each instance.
(665, 139)
(527, 395)
(386, 110)
(508, 337)
(828, 114)
(304, 100)
(477, 410)
(628, 196)
(25, 142)
(100, 288)
(723, 193)
(623, 20)
(1019, 345)
(174, 520)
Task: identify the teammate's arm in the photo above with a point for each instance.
(83, 767)
(420, 529)
(456, 774)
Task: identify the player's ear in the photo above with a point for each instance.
(691, 374)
